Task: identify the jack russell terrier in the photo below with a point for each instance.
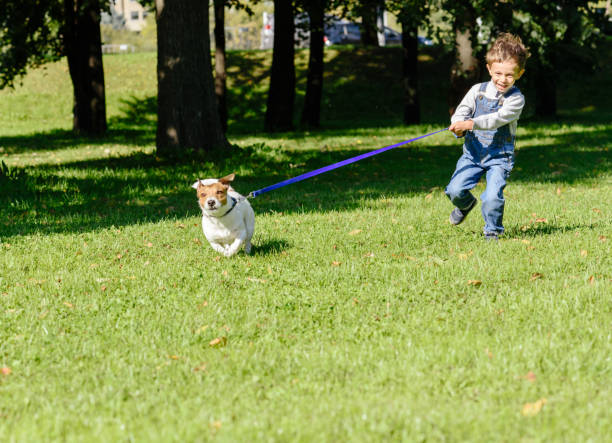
(228, 220)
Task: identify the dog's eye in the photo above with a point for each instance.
(219, 192)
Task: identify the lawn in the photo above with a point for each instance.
(361, 315)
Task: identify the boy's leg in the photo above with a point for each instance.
(466, 176)
(493, 199)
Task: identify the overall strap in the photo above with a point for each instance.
(481, 91)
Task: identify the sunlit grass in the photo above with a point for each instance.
(362, 315)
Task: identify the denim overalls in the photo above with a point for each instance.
(490, 152)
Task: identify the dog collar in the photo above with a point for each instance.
(234, 203)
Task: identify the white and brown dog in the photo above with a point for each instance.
(228, 220)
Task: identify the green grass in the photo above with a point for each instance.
(362, 315)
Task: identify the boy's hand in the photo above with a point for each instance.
(459, 128)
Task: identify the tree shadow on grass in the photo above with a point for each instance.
(138, 188)
(66, 139)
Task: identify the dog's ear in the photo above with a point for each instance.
(197, 184)
(227, 179)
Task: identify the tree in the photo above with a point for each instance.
(410, 13)
(281, 94)
(187, 114)
(311, 114)
(220, 62)
(558, 34)
(220, 55)
(33, 32)
(83, 47)
(29, 37)
(465, 70)
(368, 11)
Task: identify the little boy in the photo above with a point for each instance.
(488, 116)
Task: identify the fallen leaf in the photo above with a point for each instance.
(5, 370)
(602, 238)
(530, 376)
(202, 367)
(597, 210)
(535, 276)
(541, 220)
(355, 231)
(474, 282)
(149, 245)
(558, 191)
(429, 196)
(369, 254)
(525, 241)
(218, 342)
(336, 263)
(531, 409)
(70, 305)
(584, 253)
(489, 353)
(174, 357)
(592, 279)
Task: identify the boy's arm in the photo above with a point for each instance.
(464, 112)
(510, 111)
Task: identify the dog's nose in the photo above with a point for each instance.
(211, 203)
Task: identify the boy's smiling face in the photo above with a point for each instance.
(504, 74)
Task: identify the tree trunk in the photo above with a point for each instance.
(311, 113)
(84, 53)
(187, 114)
(465, 72)
(369, 16)
(502, 19)
(281, 95)
(546, 92)
(410, 52)
(220, 62)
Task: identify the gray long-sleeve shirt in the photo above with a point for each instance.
(508, 114)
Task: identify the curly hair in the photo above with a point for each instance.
(508, 46)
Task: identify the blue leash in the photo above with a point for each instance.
(348, 161)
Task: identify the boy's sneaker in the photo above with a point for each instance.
(491, 236)
(458, 215)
